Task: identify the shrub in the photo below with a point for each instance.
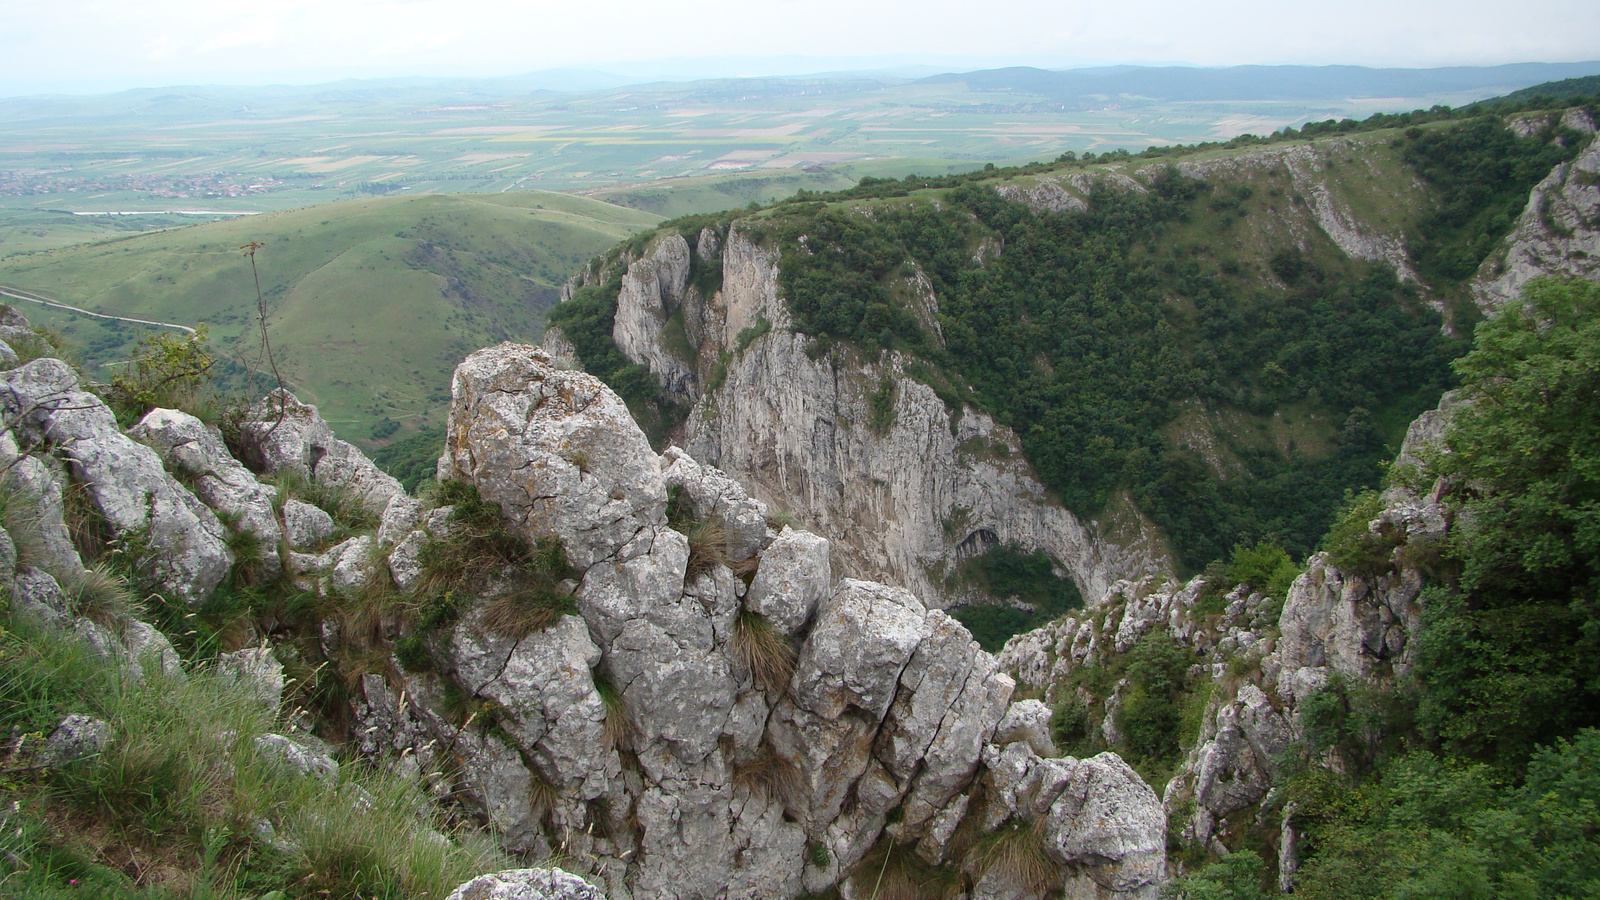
(1351, 543)
(764, 651)
(169, 371)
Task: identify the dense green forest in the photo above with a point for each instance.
(1478, 775)
(1093, 329)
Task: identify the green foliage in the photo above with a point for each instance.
(1426, 826)
(182, 781)
(1481, 172)
(1092, 331)
(1152, 708)
(1238, 876)
(1351, 543)
(1008, 573)
(882, 405)
(1266, 567)
(1511, 654)
(412, 459)
(167, 370)
(747, 336)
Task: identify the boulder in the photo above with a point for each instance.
(556, 449)
(306, 526)
(527, 884)
(179, 539)
(794, 577)
(256, 671)
(77, 737)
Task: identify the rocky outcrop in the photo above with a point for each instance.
(282, 434)
(662, 732)
(1558, 232)
(1261, 660)
(903, 500)
(176, 535)
(653, 288)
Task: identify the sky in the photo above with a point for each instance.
(82, 46)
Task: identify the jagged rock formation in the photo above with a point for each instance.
(905, 500)
(689, 732)
(1558, 232)
(732, 776)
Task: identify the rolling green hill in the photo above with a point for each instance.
(371, 303)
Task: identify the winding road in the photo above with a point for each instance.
(20, 294)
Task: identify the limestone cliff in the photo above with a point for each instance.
(718, 717)
(905, 493)
(1558, 232)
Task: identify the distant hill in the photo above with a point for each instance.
(371, 303)
(1276, 83)
(1566, 89)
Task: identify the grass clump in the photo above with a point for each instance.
(763, 650)
(708, 547)
(619, 730)
(772, 776)
(101, 595)
(1017, 849)
(349, 509)
(180, 801)
(478, 554)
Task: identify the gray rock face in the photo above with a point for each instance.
(556, 449)
(1105, 811)
(195, 449)
(256, 671)
(284, 434)
(305, 525)
(298, 757)
(527, 884)
(652, 288)
(713, 495)
(1558, 232)
(795, 576)
(48, 543)
(77, 737)
(651, 733)
(126, 483)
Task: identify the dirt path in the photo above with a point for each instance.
(20, 294)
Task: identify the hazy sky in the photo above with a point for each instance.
(78, 45)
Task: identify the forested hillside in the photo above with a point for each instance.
(1231, 336)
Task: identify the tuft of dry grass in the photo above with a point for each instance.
(895, 872)
(708, 547)
(619, 730)
(518, 613)
(764, 651)
(101, 595)
(1018, 850)
(772, 776)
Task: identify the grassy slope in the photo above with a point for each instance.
(371, 302)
